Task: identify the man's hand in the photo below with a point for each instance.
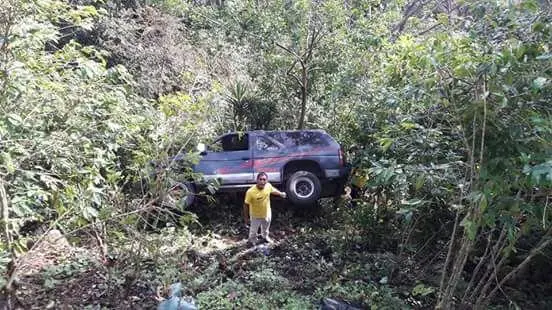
(283, 195)
(246, 219)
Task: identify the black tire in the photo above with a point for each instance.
(303, 188)
(180, 196)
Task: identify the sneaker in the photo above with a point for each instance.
(250, 243)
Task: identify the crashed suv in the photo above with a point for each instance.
(306, 164)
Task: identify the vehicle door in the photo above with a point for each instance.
(228, 159)
(270, 156)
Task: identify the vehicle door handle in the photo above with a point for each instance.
(245, 158)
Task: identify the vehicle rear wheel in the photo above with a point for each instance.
(303, 188)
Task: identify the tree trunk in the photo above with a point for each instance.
(303, 98)
(4, 212)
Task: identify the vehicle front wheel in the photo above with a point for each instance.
(303, 188)
(180, 196)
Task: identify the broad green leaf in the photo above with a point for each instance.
(409, 125)
(89, 213)
(8, 162)
(412, 202)
(483, 203)
(422, 290)
(470, 228)
(14, 119)
(544, 56)
(539, 82)
(386, 143)
(420, 181)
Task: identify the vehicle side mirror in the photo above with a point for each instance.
(201, 148)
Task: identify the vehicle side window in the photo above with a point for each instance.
(231, 142)
(299, 138)
(216, 146)
(265, 145)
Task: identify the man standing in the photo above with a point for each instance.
(257, 207)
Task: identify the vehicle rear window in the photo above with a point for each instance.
(299, 138)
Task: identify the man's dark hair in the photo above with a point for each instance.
(261, 174)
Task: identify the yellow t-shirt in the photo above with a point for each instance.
(259, 201)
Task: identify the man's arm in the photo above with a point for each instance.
(246, 212)
(246, 203)
(276, 192)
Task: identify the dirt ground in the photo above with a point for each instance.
(313, 254)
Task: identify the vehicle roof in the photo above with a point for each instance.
(287, 130)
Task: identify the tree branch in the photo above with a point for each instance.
(421, 33)
(292, 66)
(7, 21)
(448, 259)
(297, 80)
(478, 267)
(410, 10)
(298, 59)
(288, 50)
(314, 38)
(545, 242)
(4, 213)
(499, 245)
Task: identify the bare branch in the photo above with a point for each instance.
(483, 132)
(297, 79)
(410, 10)
(479, 265)
(499, 245)
(449, 257)
(6, 23)
(545, 241)
(288, 50)
(311, 69)
(292, 66)
(4, 213)
(421, 33)
(314, 39)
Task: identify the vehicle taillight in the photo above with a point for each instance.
(341, 157)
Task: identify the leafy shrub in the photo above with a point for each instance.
(232, 294)
(368, 296)
(74, 133)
